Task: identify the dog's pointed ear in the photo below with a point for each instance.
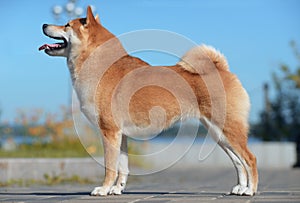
(90, 19)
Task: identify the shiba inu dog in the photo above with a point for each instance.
(125, 96)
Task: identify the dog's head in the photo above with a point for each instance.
(77, 36)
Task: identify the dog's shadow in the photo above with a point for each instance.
(154, 193)
(44, 193)
(151, 193)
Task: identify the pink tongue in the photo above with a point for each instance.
(48, 46)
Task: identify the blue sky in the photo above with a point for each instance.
(254, 36)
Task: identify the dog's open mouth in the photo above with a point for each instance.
(55, 46)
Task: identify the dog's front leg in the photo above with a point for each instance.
(123, 169)
(112, 144)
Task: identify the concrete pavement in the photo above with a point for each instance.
(199, 184)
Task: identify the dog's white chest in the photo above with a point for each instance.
(87, 104)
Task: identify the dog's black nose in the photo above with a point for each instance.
(44, 26)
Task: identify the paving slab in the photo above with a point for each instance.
(172, 185)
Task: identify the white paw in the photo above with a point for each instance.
(240, 190)
(100, 191)
(116, 190)
(249, 192)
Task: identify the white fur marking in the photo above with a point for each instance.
(123, 163)
(86, 100)
(100, 191)
(242, 177)
(214, 131)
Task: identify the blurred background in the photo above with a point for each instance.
(261, 40)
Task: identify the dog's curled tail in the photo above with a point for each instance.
(195, 60)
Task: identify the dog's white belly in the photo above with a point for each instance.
(156, 126)
(141, 132)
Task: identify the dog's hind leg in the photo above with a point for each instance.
(123, 169)
(248, 161)
(241, 187)
(243, 160)
(112, 144)
(233, 140)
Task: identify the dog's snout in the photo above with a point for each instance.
(45, 26)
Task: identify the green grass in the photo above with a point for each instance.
(58, 149)
(66, 148)
(48, 180)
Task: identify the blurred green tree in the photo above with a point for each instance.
(1, 124)
(280, 120)
(0, 113)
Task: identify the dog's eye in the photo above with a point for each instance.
(83, 21)
(67, 25)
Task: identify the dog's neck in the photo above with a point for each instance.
(89, 66)
(94, 44)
